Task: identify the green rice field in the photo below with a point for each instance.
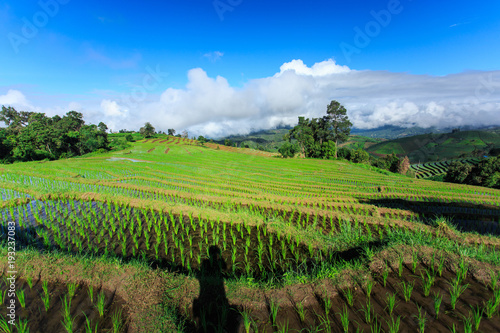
(174, 236)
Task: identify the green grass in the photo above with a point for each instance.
(302, 214)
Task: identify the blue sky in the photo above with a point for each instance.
(97, 57)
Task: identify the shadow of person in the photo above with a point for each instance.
(211, 309)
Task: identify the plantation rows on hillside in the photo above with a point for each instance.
(238, 239)
(431, 169)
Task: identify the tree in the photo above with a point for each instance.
(486, 173)
(184, 134)
(228, 142)
(337, 117)
(303, 134)
(359, 156)
(129, 138)
(288, 150)
(329, 150)
(457, 172)
(171, 131)
(344, 153)
(34, 136)
(102, 127)
(392, 162)
(202, 140)
(147, 131)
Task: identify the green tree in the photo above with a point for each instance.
(202, 140)
(486, 173)
(33, 136)
(337, 117)
(147, 131)
(329, 150)
(129, 138)
(228, 143)
(359, 156)
(288, 150)
(171, 131)
(303, 134)
(392, 162)
(344, 153)
(457, 172)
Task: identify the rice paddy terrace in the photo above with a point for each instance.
(170, 235)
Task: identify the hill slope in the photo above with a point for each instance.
(213, 235)
(435, 147)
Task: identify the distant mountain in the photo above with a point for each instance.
(269, 140)
(419, 144)
(394, 132)
(441, 146)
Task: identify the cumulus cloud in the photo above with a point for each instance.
(15, 98)
(318, 69)
(211, 106)
(112, 109)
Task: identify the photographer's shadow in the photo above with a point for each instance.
(211, 309)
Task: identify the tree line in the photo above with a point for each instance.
(31, 136)
(320, 138)
(485, 173)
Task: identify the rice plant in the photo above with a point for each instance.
(369, 287)
(376, 326)
(90, 291)
(490, 307)
(349, 296)
(407, 290)
(455, 291)
(438, 298)
(476, 315)
(29, 279)
(301, 311)
(67, 321)
(21, 297)
(5, 327)
(385, 274)
(274, 307)
(468, 325)
(414, 262)
(344, 319)
(394, 324)
(116, 319)
(440, 266)
(326, 324)
(247, 320)
(88, 325)
(391, 302)
(100, 303)
(421, 319)
(72, 289)
(368, 312)
(427, 282)
(22, 326)
(328, 305)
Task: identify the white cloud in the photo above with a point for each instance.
(16, 99)
(212, 107)
(213, 56)
(318, 69)
(112, 109)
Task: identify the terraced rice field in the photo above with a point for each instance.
(182, 237)
(431, 169)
